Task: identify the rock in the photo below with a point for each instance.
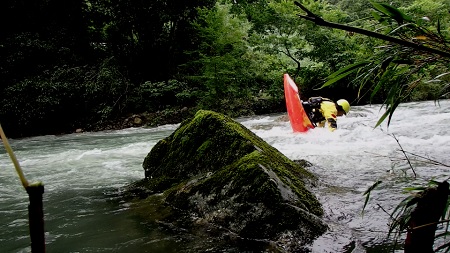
(137, 121)
(221, 180)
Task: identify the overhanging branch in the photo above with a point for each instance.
(320, 21)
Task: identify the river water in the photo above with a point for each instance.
(83, 174)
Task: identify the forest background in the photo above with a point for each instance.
(89, 64)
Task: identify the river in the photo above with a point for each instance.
(84, 172)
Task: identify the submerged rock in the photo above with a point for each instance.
(215, 177)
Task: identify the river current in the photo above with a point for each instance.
(84, 172)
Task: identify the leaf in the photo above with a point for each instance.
(400, 27)
(433, 183)
(350, 67)
(441, 75)
(421, 37)
(372, 187)
(376, 89)
(385, 77)
(368, 191)
(411, 189)
(392, 101)
(383, 117)
(329, 82)
(377, 17)
(379, 85)
(445, 211)
(341, 73)
(439, 27)
(402, 214)
(361, 86)
(406, 202)
(386, 62)
(365, 77)
(392, 109)
(392, 12)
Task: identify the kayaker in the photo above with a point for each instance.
(321, 110)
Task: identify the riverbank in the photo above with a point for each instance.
(176, 115)
(67, 124)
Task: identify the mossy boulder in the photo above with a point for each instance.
(215, 173)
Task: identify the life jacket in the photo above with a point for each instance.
(312, 108)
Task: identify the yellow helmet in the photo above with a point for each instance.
(344, 104)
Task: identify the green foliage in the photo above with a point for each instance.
(395, 70)
(343, 72)
(400, 72)
(402, 214)
(306, 51)
(368, 191)
(64, 99)
(428, 91)
(222, 55)
(225, 69)
(429, 13)
(391, 12)
(156, 96)
(149, 38)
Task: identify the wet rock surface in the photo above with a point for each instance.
(216, 180)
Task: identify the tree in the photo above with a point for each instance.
(38, 35)
(414, 49)
(400, 65)
(302, 49)
(221, 54)
(149, 37)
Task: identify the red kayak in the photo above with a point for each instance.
(297, 115)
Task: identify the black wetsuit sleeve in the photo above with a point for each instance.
(332, 122)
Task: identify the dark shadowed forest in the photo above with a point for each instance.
(87, 64)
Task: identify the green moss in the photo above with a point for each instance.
(200, 134)
(204, 147)
(212, 163)
(153, 208)
(210, 142)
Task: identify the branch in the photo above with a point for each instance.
(430, 224)
(319, 21)
(406, 156)
(433, 162)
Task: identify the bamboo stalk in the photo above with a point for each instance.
(13, 158)
(35, 208)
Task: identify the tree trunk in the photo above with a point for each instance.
(424, 219)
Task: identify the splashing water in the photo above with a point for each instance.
(83, 173)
